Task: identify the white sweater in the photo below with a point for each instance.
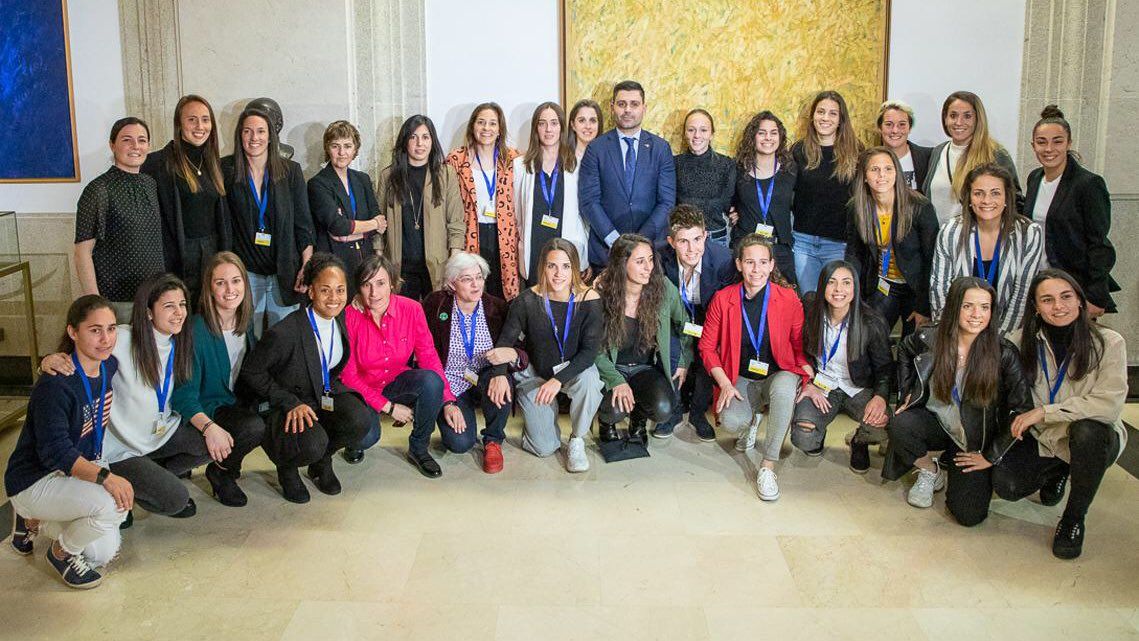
(135, 408)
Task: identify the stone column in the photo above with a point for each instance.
(151, 77)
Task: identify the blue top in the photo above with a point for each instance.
(59, 429)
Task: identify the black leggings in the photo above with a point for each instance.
(653, 396)
(1094, 446)
(916, 432)
(345, 425)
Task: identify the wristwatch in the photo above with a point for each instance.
(102, 475)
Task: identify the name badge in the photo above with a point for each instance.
(824, 382)
(693, 330)
(263, 239)
(767, 231)
(883, 286)
(756, 366)
(549, 221)
(326, 403)
(471, 376)
(489, 213)
(159, 426)
(560, 366)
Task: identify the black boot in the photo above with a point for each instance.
(224, 486)
(1053, 490)
(1068, 542)
(607, 432)
(323, 477)
(292, 487)
(637, 431)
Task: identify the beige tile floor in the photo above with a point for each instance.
(672, 547)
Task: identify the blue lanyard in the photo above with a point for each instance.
(757, 337)
(351, 197)
(561, 342)
(688, 304)
(468, 341)
(1053, 388)
(889, 241)
(492, 180)
(956, 398)
(827, 356)
(552, 191)
(323, 360)
(262, 200)
(991, 274)
(96, 409)
(765, 199)
(163, 390)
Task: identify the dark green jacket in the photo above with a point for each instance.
(672, 318)
(208, 388)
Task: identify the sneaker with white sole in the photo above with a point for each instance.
(75, 571)
(921, 494)
(576, 460)
(746, 440)
(767, 484)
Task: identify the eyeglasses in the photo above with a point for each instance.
(470, 280)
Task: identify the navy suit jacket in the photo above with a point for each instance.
(717, 271)
(606, 204)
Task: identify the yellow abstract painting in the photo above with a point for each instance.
(730, 57)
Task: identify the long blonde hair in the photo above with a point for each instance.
(846, 144)
(982, 149)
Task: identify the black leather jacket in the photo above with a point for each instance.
(985, 429)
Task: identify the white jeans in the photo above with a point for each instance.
(79, 514)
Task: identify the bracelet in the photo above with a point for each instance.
(102, 475)
(207, 426)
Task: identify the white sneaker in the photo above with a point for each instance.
(768, 485)
(921, 494)
(576, 460)
(746, 440)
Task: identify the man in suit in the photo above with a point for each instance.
(698, 269)
(627, 182)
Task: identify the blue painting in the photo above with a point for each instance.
(37, 123)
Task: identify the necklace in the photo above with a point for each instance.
(417, 210)
(197, 167)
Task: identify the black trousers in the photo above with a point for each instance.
(653, 396)
(695, 396)
(346, 424)
(898, 305)
(416, 281)
(198, 252)
(1022, 472)
(488, 249)
(916, 432)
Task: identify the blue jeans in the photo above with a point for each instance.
(267, 300)
(495, 430)
(422, 391)
(720, 236)
(811, 254)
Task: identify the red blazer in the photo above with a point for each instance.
(720, 344)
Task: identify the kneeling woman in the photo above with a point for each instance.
(223, 336)
(641, 310)
(560, 318)
(296, 367)
(386, 331)
(959, 382)
(1078, 372)
(465, 322)
(752, 346)
(850, 347)
(56, 477)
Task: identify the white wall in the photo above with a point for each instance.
(928, 62)
(517, 66)
(97, 87)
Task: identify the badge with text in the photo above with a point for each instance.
(550, 221)
(326, 403)
(471, 376)
(693, 330)
(756, 366)
(767, 231)
(263, 239)
(883, 286)
(824, 382)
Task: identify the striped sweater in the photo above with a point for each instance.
(1020, 254)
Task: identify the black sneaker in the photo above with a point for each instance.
(292, 487)
(21, 537)
(225, 487)
(1053, 490)
(664, 430)
(190, 510)
(127, 522)
(1068, 542)
(859, 457)
(426, 465)
(74, 571)
(323, 477)
(352, 455)
(704, 431)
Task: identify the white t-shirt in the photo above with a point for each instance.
(908, 172)
(235, 348)
(945, 202)
(837, 367)
(1044, 196)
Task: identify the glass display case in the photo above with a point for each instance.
(17, 310)
(9, 239)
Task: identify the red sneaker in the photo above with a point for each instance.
(492, 458)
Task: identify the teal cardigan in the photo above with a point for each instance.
(671, 315)
(208, 388)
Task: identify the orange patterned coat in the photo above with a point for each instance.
(460, 160)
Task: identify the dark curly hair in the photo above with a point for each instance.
(319, 262)
(745, 148)
(611, 284)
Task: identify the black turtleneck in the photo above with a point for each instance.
(1060, 338)
(199, 210)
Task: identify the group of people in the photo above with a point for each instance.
(594, 268)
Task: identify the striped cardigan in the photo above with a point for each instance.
(1020, 254)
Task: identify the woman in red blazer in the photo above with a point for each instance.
(752, 345)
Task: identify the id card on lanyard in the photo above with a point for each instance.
(824, 381)
(560, 341)
(96, 407)
(326, 402)
(465, 322)
(764, 227)
(162, 392)
(690, 326)
(754, 365)
(263, 238)
(1053, 388)
(993, 271)
(549, 193)
(883, 283)
(491, 181)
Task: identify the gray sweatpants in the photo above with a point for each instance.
(540, 435)
(777, 392)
